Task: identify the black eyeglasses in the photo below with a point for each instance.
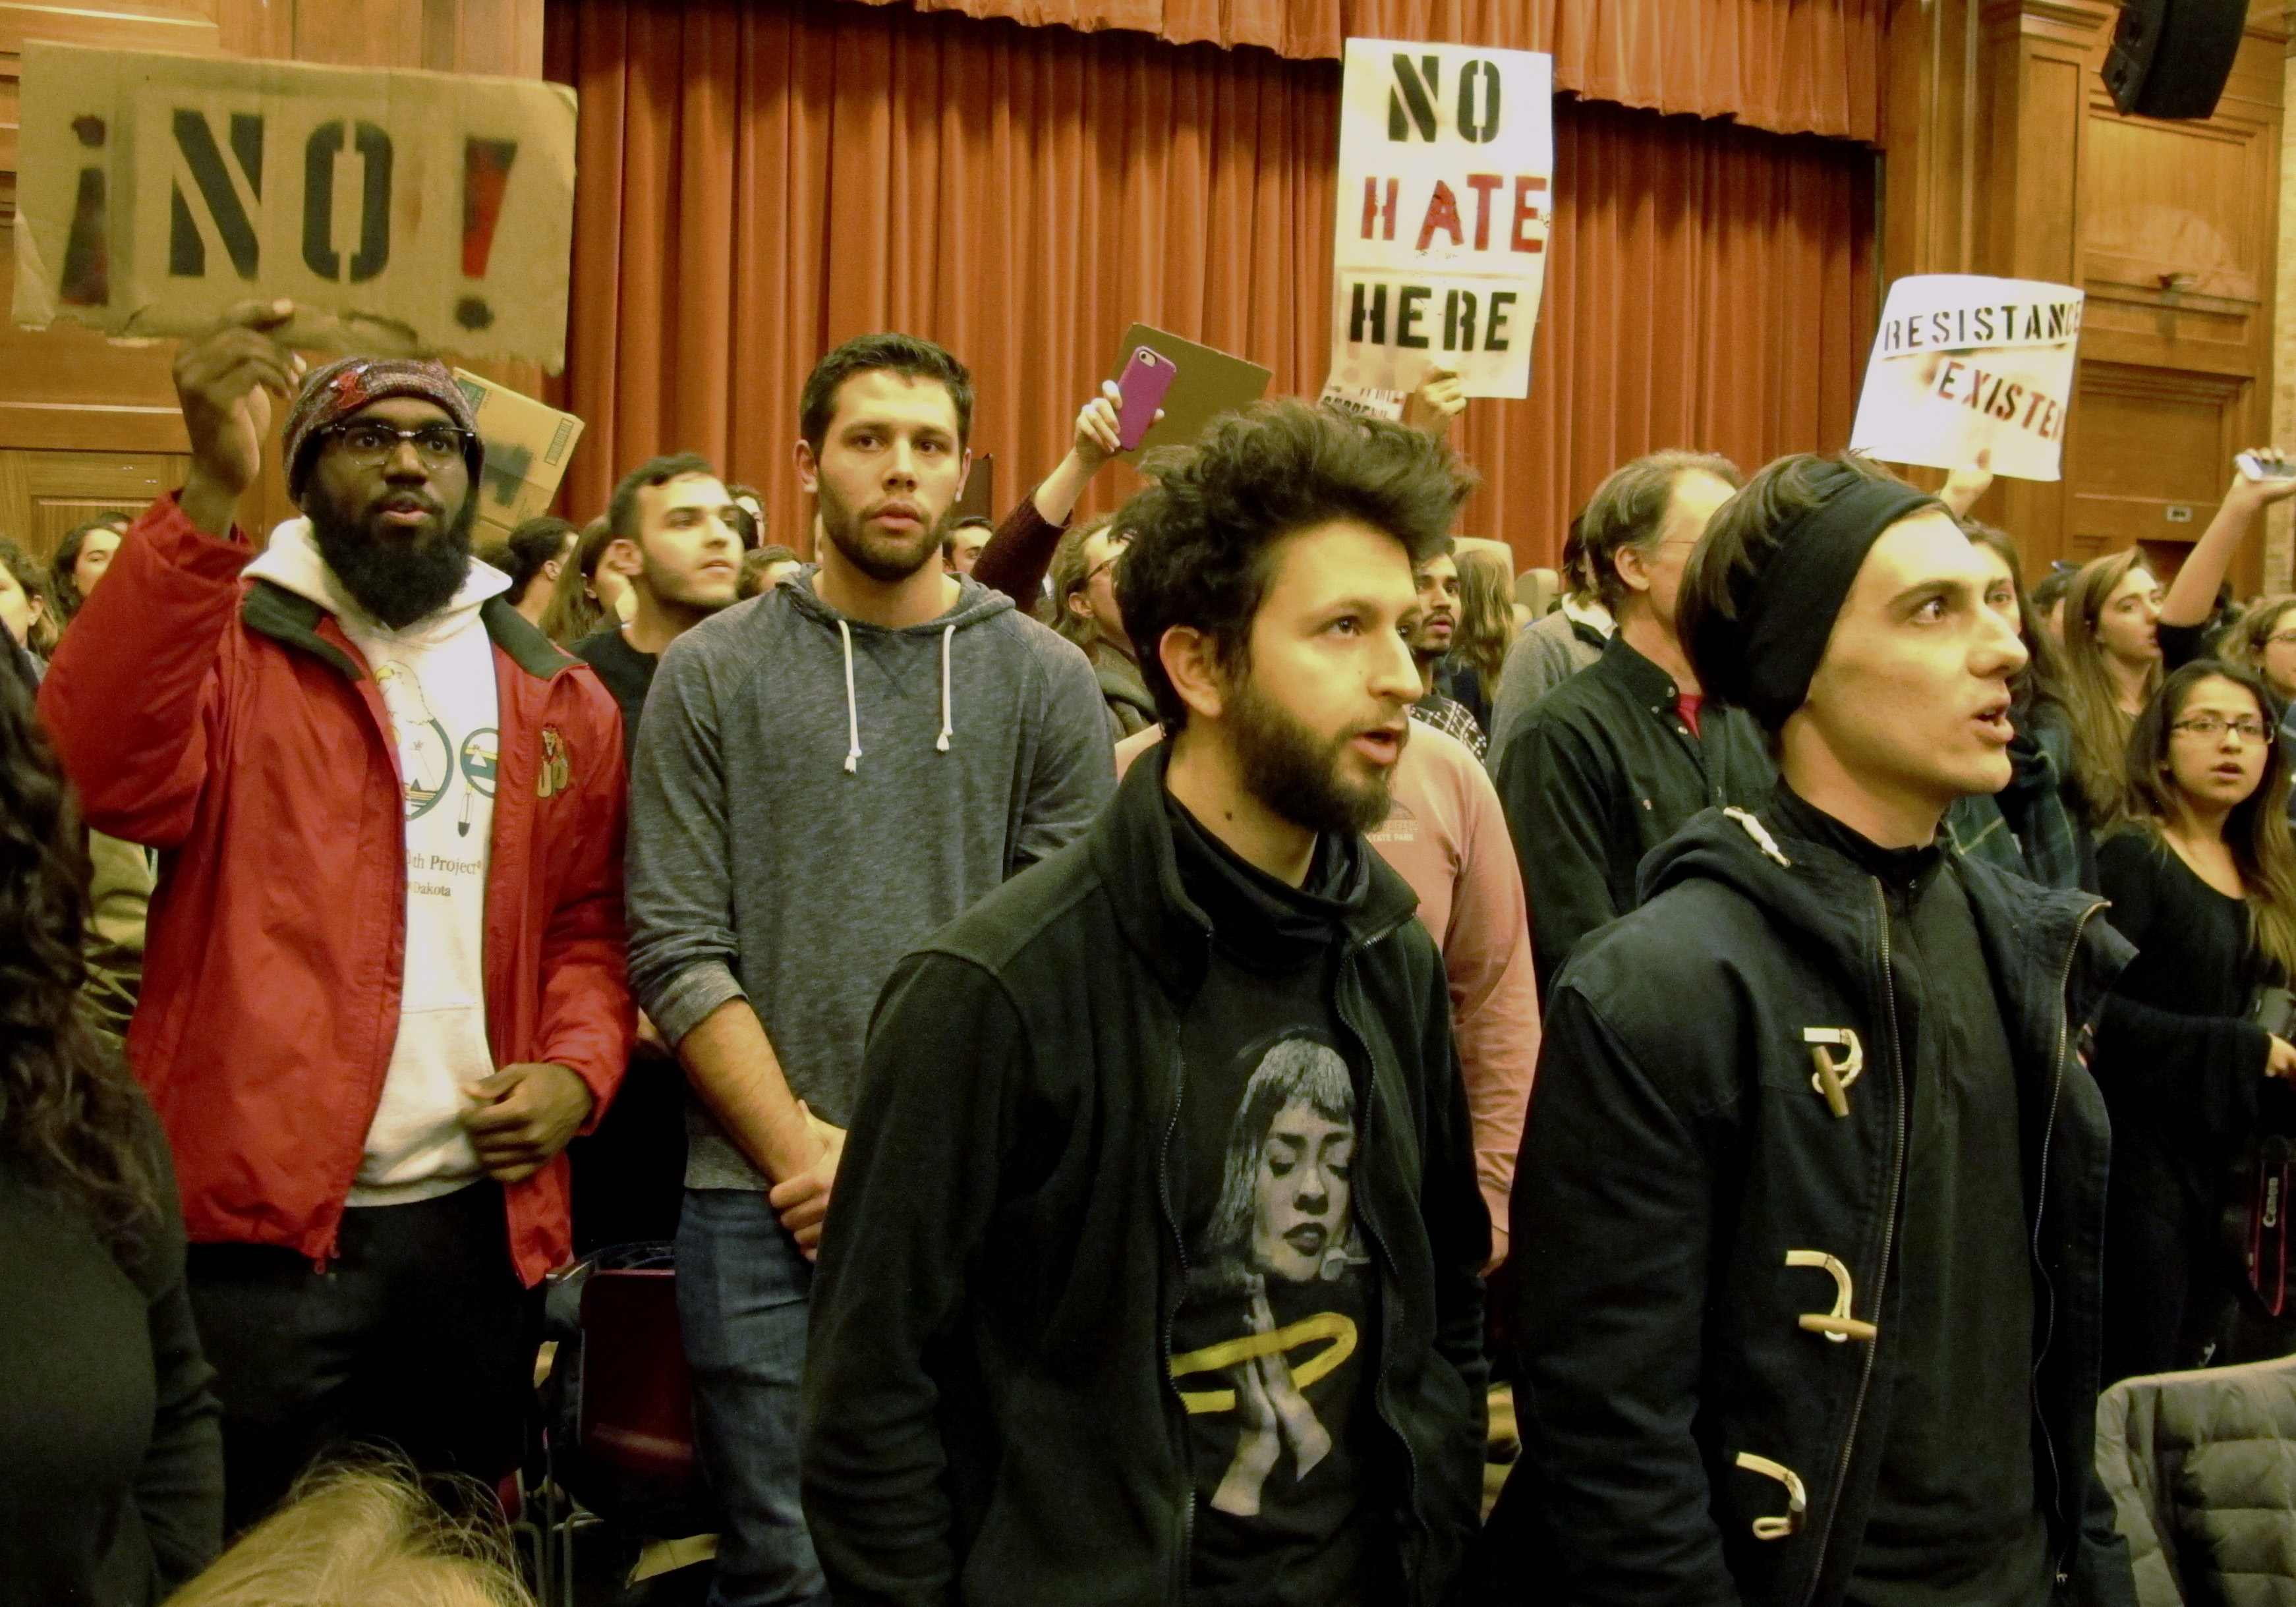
(2208, 727)
(369, 441)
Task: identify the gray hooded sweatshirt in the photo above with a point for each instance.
(812, 797)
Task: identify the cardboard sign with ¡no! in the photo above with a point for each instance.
(1964, 363)
(400, 212)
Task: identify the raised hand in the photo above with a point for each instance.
(224, 382)
(2263, 493)
(1440, 398)
(1964, 487)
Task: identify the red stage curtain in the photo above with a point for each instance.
(760, 181)
(1789, 66)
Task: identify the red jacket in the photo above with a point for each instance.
(232, 726)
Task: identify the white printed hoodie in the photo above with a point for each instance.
(436, 678)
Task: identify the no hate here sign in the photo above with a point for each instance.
(1964, 363)
(1446, 163)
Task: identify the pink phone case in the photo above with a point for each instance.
(1146, 378)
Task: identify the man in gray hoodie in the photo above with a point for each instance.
(826, 775)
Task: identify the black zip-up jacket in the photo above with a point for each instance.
(1681, 1146)
(988, 1414)
(1602, 771)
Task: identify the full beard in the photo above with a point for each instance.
(1297, 773)
(888, 560)
(398, 579)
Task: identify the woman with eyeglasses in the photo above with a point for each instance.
(2202, 877)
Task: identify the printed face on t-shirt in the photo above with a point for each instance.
(1301, 1191)
(1284, 1198)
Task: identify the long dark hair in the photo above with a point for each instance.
(2038, 682)
(2256, 831)
(574, 611)
(2092, 697)
(1486, 619)
(68, 1110)
(39, 589)
(64, 596)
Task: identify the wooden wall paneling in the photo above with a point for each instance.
(2180, 251)
(2032, 56)
(2004, 155)
(66, 390)
(45, 494)
(2147, 466)
(502, 37)
(367, 33)
(1930, 139)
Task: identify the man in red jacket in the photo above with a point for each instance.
(384, 983)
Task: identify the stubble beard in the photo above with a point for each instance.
(676, 593)
(888, 561)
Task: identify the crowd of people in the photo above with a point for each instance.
(1132, 1026)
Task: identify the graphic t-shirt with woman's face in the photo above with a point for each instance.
(1276, 1340)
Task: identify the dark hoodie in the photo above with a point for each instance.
(1689, 1436)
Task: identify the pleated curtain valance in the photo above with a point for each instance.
(1786, 66)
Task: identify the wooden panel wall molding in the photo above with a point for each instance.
(2005, 155)
(45, 494)
(2147, 467)
(66, 390)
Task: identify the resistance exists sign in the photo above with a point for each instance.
(400, 212)
(1447, 157)
(1964, 363)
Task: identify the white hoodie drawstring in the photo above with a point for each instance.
(852, 709)
(947, 637)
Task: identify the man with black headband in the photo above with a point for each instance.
(1807, 1214)
(1613, 762)
(384, 981)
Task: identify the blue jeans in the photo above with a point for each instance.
(743, 1294)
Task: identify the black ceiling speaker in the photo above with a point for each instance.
(2170, 58)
